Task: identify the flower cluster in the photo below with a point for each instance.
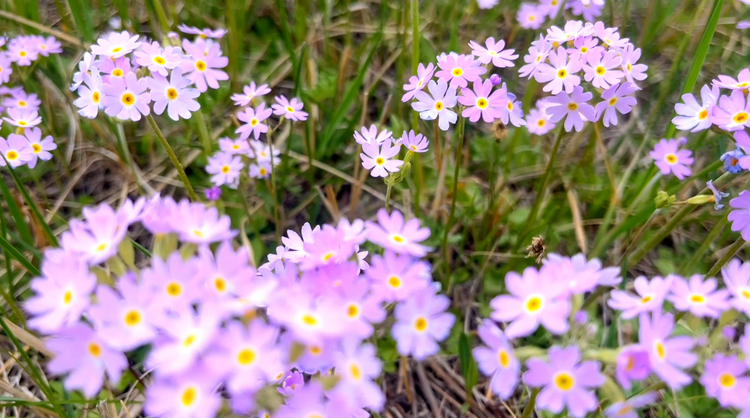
(533, 15)
(26, 146)
(454, 73)
(125, 76)
(380, 149)
(197, 305)
(226, 165)
(609, 67)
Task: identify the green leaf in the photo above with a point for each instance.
(468, 365)
(37, 213)
(11, 250)
(15, 212)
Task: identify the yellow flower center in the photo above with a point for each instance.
(117, 72)
(95, 350)
(600, 70)
(220, 284)
(630, 67)
(22, 123)
(531, 19)
(743, 84)
(533, 304)
(398, 239)
(697, 299)
(22, 103)
(564, 381)
(200, 65)
(482, 103)
(225, 169)
(572, 106)
(562, 73)
(394, 282)
(132, 318)
(246, 357)
(670, 158)
(584, 50)
(67, 297)
(420, 324)
(253, 121)
(355, 372)
(96, 97)
(101, 247)
(315, 350)
(646, 299)
(262, 171)
(613, 101)
(457, 72)
(541, 122)
(290, 109)
(198, 233)
(11, 155)
(439, 106)
(172, 93)
(174, 289)
(309, 320)
(159, 60)
(510, 106)
(352, 311)
(188, 396)
(660, 350)
(745, 293)
(187, 342)
(504, 358)
(726, 380)
(36, 148)
(703, 114)
(329, 255)
(741, 117)
(22, 53)
(128, 99)
(380, 161)
(624, 410)
(116, 50)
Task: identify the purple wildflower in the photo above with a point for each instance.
(731, 159)
(650, 296)
(574, 108)
(253, 119)
(15, 151)
(116, 45)
(22, 51)
(23, 118)
(203, 33)
(718, 195)
(626, 409)
(480, 103)
(358, 366)
(156, 59)
(6, 69)
(536, 56)
(414, 142)
(736, 275)
(396, 277)
(694, 116)
(190, 394)
(459, 70)
(417, 82)
(530, 16)
(617, 98)
(633, 363)
(174, 95)
(198, 224)
(493, 53)
(698, 297)
(740, 216)
(203, 63)
(378, 158)
(290, 109)
(249, 93)
(127, 99)
(560, 75)
(538, 122)
(213, 193)
(48, 45)
(497, 360)
(599, 70)
(724, 380)
(437, 104)
(742, 82)
(421, 321)
(670, 159)
(90, 95)
(372, 136)
(391, 232)
(225, 168)
(39, 148)
(632, 70)
(667, 355)
(732, 113)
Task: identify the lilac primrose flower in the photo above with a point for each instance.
(203, 63)
(550, 7)
(617, 98)
(6, 69)
(698, 297)
(458, 70)
(560, 75)
(414, 142)
(249, 93)
(359, 307)
(632, 70)
(609, 276)
(79, 351)
(378, 158)
(213, 193)
(497, 360)
(600, 72)
(23, 118)
(196, 223)
(578, 279)
(495, 80)
(90, 95)
(438, 105)
(46, 46)
(119, 68)
(731, 159)
(174, 95)
(39, 148)
(421, 321)
(480, 103)
(225, 168)
(487, 4)
(236, 146)
(740, 216)
(97, 239)
(190, 394)
(396, 277)
(743, 142)
(127, 99)
(732, 113)
(530, 16)
(650, 296)
(626, 408)
(358, 366)
(586, 46)
(260, 171)
(62, 294)
(372, 136)
(534, 299)
(156, 59)
(15, 151)
(585, 8)
(539, 122)
(203, 33)
(633, 363)
(724, 380)
(610, 36)
(290, 109)
(574, 108)
(667, 355)
(392, 233)
(19, 99)
(310, 402)
(694, 116)
(116, 45)
(537, 55)
(742, 82)
(186, 336)
(670, 159)
(22, 52)
(565, 381)
(253, 119)
(736, 275)
(493, 53)
(417, 82)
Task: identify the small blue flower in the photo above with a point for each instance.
(717, 194)
(731, 161)
(213, 193)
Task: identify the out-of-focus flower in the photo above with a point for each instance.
(670, 159)
(578, 279)
(718, 195)
(22, 51)
(358, 366)
(6, 69)
(249, 93)
(203, 33)
(235, 146)
(91, 95)
(731, 159)
(736, 275)
(694, 116)
(627, 408)
(15, 151)
(740, 216)
(19, 99)
(203, 63)
(437, 104)
(701, 298)
(537, 54)
(190, 394)
(550, 7)
(174, 95)
(649, 298)
(417, 82)
(497, 360)
(378, 158)
(742, 82)
(493, 53)
(225, 167)
(530, 17)
(127, 99)
(195, 223)
(534, 299)
(421, 321)
(724, 380)
(23, 118)
(290, 109)
(372, 136)
(487, 4)
(459, 70)
(573, 108)
(667, 355)
(495, 80)
(565, 381)
(39, 149)
(391, 232)
(84, 66)
(46, 46)
(213, 193)
(539, 122)
(633, 71)
(116, 45)
(260, 171)
(732, 113)
(396, 277)
(586, 9)
(253, 119)
(633, 363)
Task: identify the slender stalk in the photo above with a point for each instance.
(415, 37)
(530, 406)
(733, 249)
(205, 138)
(459, 153)
(276, 214)
(705, 245)
(173, 157)
(540, 195)
(388, 191)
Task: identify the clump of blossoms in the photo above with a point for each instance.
(534, 15)
(26, 146)
(128, 76)
(224, 333)
(575, 64)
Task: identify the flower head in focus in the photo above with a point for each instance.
(418, 82)
(203, 63)
(379, 158)
(174, 95)
(670, 159)
(249, 93)
(253, 119)
(290, 109)
(459, 70)
(39, 149)
(437, 104)
(494, 53)
(701, 298)
(116, 45)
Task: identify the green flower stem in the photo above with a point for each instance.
(733, 249)
(276, 213)
(705, 245)
(173, 157)
(459, 153)
(532, 403)
(205, 138)
(531, 219)
(388, 191)
(415, 37)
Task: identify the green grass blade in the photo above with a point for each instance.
(82, 17)
(11, 250)
(15, 212)
(50, 236)
(235, 17)
(286, 32)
